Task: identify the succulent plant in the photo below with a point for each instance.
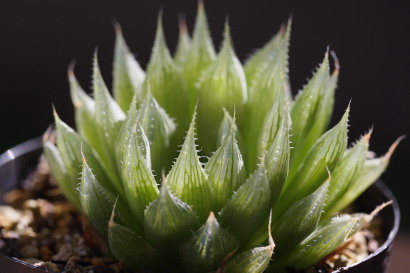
(268, 174)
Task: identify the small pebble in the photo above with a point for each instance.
(30, 251)
(47, 266)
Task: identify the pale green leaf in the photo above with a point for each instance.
(225, 127)
(125, 133)
(225, 169)
(274, 144)
(299, 220)
(159, 128)
(84, 109)
(262, 95)
(96, 201)
(139, 183)
(222, 84)
(372, 170)
(188, 180)
(313, 171)
(208, 246)
(329, 235)
(346, 171)
(168, 221)
(127, 73)
(70, 145)
(247, 209)
(65, 180)
(255, 260)
(199, 57)
(184, 43)
(276, 49)
(312, 111)
(131, 249)
(164, 81)
(109, 118)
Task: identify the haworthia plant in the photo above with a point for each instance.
(204, 164)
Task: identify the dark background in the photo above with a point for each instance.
(38, 39)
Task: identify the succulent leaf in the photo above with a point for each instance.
(312, 111)
(274, 144)
(68, 143)
(225, 169)
(109, 118)
(188, 180)
(84, 111)
(168, 221)
(255, 260)
(313, 171)
(276, 48)
(208, 246)
(262, 96)
(303, 216)
(225, 127)
(371, 171)
(64, 179)
(132, 249)
(96, 201)
(159, 128)
(222, 84)
(329, 234)
(164, 80)
(346, 171)
(139, 183)
(247, 209)
(201, 54)
(128, 75)
(125, 133)
(184, 42)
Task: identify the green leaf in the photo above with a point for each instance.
(225, 169)
(84, 111)
(262, 94)
(346, 171)
(65, 180)
(199, 57)
(184, 43)
(188, 180)
(208, 246)
(169, 221)
(131, 249)
(70, 145)
(299, 220)
(274, 144)
(247, 209)
(160, 131)
(222, 84)
(127, 74)
(275, 50)
(96, 201)
(125, 133)
(371, 171)
(255, 260)
(164, 79)
(225, 127)
(139, 183)
(313, 171)
(312, 111)
(329, 235)
(109, 117)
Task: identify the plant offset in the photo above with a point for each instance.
(255, 185)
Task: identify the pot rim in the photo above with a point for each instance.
(36, 143)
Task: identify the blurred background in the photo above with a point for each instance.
(38, 39)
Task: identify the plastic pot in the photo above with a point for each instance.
(18, 162)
